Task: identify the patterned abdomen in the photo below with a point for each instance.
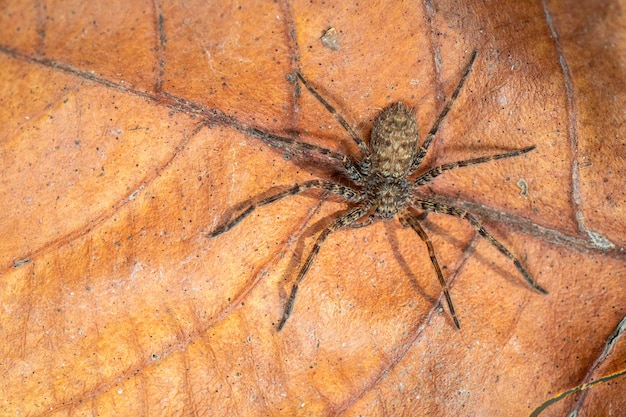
(394, 141)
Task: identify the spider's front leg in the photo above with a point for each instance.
(413, 221)
(436, 207)
(342, 221)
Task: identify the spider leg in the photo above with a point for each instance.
(436, 171)
(362, 146)
(289, 144)
(415, 225)
(370, 219)
(344, 220)
(338, 189)
(421, 153)
(462, 214)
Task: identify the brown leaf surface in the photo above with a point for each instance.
(122, 147)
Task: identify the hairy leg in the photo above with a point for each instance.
(342, 221)
(338, 189)
(423, 150)
(415, 225)
(290, 144)
(436, 171)
(462, 214)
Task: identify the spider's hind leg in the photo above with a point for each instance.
(438, 170)
(362, 146)
(423, 150)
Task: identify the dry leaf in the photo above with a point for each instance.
(124, 144)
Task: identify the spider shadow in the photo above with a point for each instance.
(316, 228)
(394, 242)
(469, 250)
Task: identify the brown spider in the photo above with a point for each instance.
(384, 182)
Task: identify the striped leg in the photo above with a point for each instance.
(344, 220)
(462, 214)
(362, 146)
(415, 225)
(341, 190)
(436, 171)
(289, 144)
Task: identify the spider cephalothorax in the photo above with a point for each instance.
(383, 181)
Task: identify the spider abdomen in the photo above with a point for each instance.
(394, 141)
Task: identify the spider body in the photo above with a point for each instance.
(393, 148)
(384, 180)
(387, 195)
(394, 142)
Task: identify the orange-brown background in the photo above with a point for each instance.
(120, 150)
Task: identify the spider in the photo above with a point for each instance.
(384, 180)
